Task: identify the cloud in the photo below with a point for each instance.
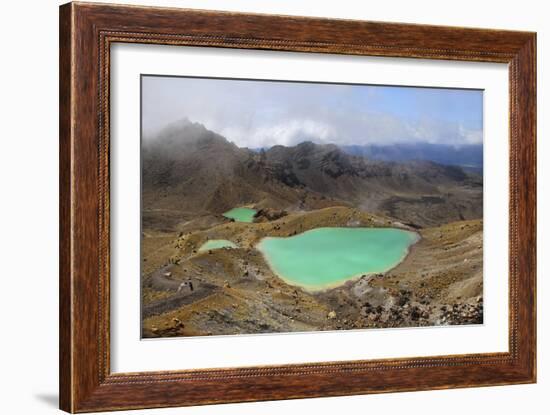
(350, 129)
(261, 114)
(288, 133)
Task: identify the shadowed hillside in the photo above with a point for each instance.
(191, 171)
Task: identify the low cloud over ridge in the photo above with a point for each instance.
(262, 113)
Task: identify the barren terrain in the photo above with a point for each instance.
(193, 175)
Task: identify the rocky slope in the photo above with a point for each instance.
(234, 290)
(191, 175)
(201, 173)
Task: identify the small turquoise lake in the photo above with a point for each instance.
(327, 257)
(241, 214)
(217, 244)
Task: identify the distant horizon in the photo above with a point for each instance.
(260, 114)
(399, 144)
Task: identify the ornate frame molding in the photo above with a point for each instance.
(86, 33)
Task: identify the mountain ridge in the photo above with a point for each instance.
(190, 166)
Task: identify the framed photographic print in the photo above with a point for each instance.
(261, 207)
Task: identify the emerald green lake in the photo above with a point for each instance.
(327, 257)
(241, 214)
(217, 244)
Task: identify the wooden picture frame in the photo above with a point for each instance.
(86, 33)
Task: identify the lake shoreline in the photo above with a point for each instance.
(317, 289)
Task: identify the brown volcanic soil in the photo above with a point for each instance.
(234, 291)
(192, 175)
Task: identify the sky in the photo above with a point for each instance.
(258, 114)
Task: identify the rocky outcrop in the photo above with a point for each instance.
(268, 214)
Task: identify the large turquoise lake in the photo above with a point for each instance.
(241, 214)
(327, 257)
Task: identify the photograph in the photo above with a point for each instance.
(276, 206)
